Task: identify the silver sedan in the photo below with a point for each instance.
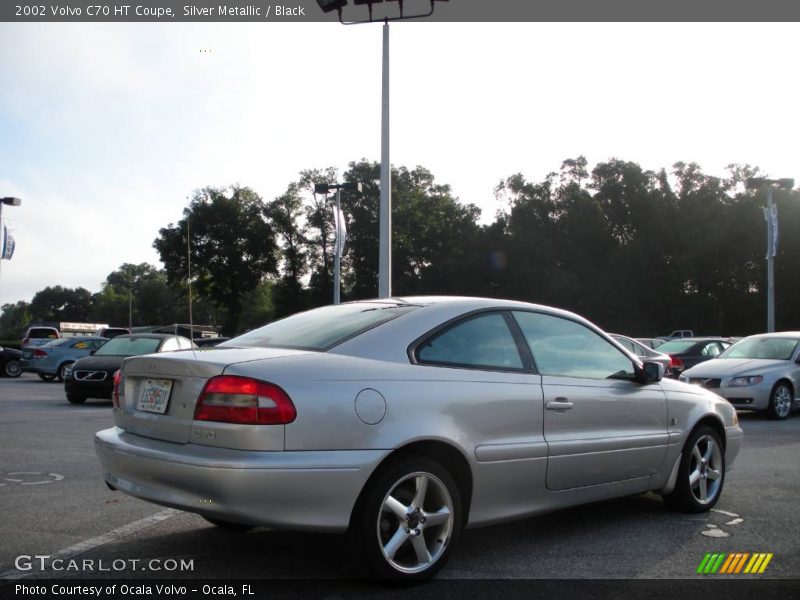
(761, 372)
(402, 421)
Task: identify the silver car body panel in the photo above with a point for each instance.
(725, 369)
(365, 399)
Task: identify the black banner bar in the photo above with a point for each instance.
(220, 11)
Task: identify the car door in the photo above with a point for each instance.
(600, 424)
(483, 360)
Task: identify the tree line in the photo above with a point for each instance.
(637, 251)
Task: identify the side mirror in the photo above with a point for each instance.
(652, 372)
(91, 352)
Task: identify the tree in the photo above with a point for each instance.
(62, 304)
(14, 320)
(232, 248)
(285, 213)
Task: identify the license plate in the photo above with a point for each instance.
(154, 396)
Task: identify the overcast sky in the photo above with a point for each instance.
(105, 130)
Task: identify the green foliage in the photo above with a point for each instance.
(232, 248)
(637, 251)
(61, 304)
(14, 319)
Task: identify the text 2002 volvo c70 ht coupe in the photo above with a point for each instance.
(404, 420)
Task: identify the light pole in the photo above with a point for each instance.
(10, 201)
(771, 215)
(325, 188)
(385, 226)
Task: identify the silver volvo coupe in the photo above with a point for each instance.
(404, 420)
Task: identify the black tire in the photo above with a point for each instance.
(780, 401)
(375, 525)
(46, 377)
(76, 399)
(697, 489)
(228, 526)
(12, 368)
(60, 372)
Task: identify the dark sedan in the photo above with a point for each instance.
(93, 376)
(688, 352)
(10, 362)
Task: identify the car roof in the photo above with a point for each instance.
(777, 334)
(155, 336)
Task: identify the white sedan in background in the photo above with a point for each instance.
(760, 372)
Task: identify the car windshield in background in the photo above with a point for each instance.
(321, 328)
(675, 347)
(769, 348)
(129, 347)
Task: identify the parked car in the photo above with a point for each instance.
(651, 342)
(111, 332)
(9, 362)
(210, 342)
(678, 334)
(92, 376)
(644, 352)
(686, 353)
(761, 372)
(404, 420)
(52, 360)
(39, 335)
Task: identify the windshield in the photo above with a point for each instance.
(762, 347)
(675, 347)
(125, 346)
(321, 328)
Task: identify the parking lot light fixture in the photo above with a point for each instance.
(325, 188)
(771, 216)
(385, 212)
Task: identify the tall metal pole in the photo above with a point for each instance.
(337, 259)
(385, 227)
(770, 267)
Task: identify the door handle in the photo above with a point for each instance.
(558, 404)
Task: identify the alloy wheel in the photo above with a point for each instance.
(415, 522)
(705, 470)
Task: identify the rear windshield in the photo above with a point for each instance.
(124, 346)
(321, 328)
(769, 348)
(675, 347)
(42, 332)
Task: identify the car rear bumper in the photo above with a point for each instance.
(293, 490)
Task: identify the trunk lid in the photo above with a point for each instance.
(181, 376)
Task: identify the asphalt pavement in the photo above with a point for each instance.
(54, 503)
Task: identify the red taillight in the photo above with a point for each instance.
(232, 399)
(675, 363)
(118, 385)
(39, 353)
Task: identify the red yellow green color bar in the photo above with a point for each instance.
(734, 563)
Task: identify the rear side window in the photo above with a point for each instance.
(482, 341)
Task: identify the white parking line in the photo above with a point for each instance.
(100, 540)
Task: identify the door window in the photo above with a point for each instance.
(564, 347)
